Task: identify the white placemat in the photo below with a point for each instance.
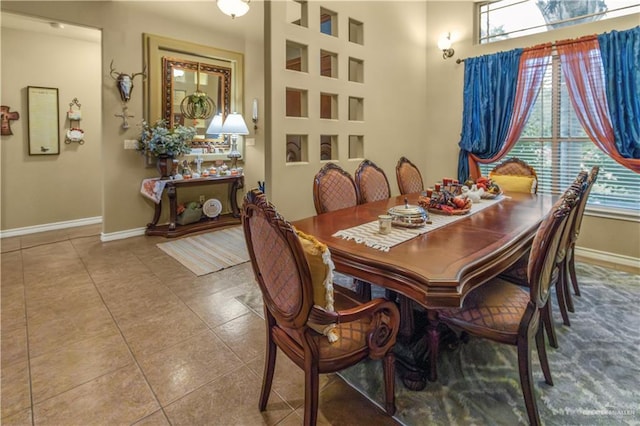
(368, 234)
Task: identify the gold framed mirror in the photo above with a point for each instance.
(179, 69)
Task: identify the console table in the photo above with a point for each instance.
(172, 229)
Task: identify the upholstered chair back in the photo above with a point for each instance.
(372, 183)
(333, 189)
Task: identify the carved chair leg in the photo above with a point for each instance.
(269, 367)
(388, 367)
(542, 355)
(562, 302)
(572, 271)
(547, 319)
(526, 379)
(311, 386)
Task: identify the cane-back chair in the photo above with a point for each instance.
(333, 189)
(508, 313)
(372, 182)
(408, 176)
(515, 175)
(284, 276)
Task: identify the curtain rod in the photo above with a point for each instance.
(554, 44)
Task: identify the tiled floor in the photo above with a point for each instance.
(119, 333)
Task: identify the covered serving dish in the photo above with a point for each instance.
(408, 215)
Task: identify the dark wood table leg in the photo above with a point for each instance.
(156, 215)
(233, 198)
(433, 338)
(173, 206)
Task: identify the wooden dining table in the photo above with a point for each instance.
(439, 268)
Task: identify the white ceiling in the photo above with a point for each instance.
(28, 23)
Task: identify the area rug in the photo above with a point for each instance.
(210, 252)
(596, 369)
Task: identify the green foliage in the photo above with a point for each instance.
(161, 140)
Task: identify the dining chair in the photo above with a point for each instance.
(517, 273)
(573, 238)
(287, 276)
(515, 175)
(408, 176)
(508, 313)
(333, 189)
(372, 182)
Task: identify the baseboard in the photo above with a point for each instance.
(603, 256)
(16, 232)
(112, 236)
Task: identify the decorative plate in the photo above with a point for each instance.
(212, 207)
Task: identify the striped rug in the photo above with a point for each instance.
(210, 252)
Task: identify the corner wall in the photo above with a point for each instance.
(45, 189)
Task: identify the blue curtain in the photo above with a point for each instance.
(620, 52)
(489, 93)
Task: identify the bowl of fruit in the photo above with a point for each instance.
(445, 202)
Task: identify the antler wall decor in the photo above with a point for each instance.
(124, 83)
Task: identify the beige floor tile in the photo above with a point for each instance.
(49, 305)
(16, 393)
(21, 418)
(117, 398)
(177, 370)
(245, 335)
(12, 308)
(142, 303)
(156, 419)
(40, 238)
(119, 266)
(230, 400)
(58, 371)
(11, 271)
(217, 308)
(338, 403)
(13, 344)
(72, 327)
(148, 335)
(9, 244)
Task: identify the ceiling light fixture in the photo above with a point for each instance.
(233, 8)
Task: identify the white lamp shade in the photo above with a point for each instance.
(444, 42)
(215, 127)
(234, 124)
(233, 8)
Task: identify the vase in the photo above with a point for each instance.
(165, 164)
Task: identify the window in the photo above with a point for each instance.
(502, 19)
(554, 143)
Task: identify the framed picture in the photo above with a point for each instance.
(44, 124)
(178, 119)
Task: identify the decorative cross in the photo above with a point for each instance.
(7, 117)
(124, 116)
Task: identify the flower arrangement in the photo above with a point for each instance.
(159, 140)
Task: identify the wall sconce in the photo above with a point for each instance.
(233, 8)
(444, 44)
(254, 114)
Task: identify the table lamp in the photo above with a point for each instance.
(234, 125)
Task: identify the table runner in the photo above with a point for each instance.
(368, 234)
